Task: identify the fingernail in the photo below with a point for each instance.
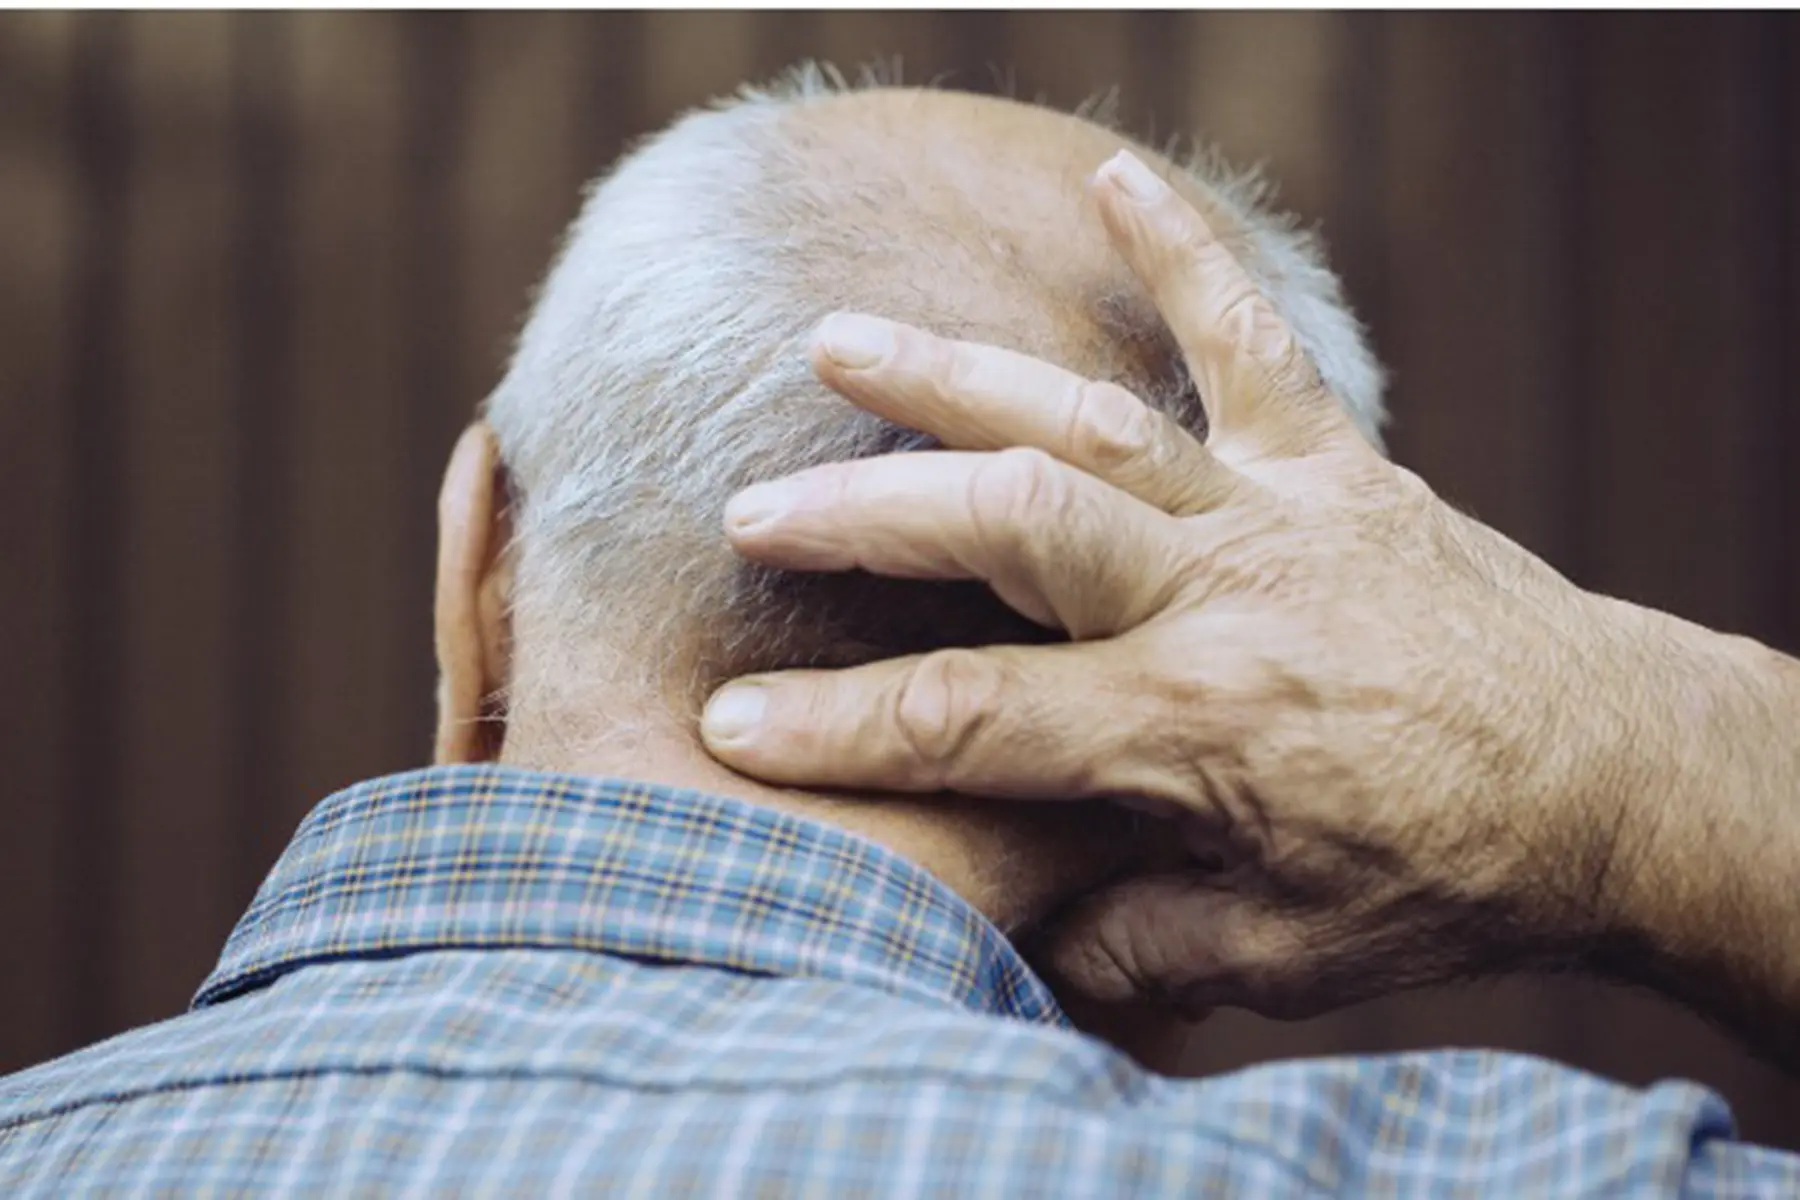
(733, 713)
(854, 342)
(1129, 174)
(757, 505)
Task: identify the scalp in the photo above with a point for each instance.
(971, 216)
(664, 364)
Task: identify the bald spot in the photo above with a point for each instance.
(971, 216)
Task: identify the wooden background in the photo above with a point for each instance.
(256, 269)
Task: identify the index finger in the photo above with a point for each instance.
(977, 397)
(1255, 379)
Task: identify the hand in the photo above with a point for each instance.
(1381, 728)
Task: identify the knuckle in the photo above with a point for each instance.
(1109, 428)
(1100, 958)
(1116, 954)
(911, 348)
(943, 706)
(1244, 318)
(1160, 959)
(1193, 247)
(1216, 273)
(1015, 490)
(954, 368)
(923, 364)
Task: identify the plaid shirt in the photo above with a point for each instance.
(488, 981)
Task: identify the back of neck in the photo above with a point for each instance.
(1011, 862)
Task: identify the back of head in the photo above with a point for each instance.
(664, 364)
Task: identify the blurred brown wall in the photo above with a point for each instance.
(256, 269)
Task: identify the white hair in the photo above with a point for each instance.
(663, 366)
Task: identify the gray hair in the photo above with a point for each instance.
(663, 366)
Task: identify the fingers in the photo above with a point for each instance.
(1254, 378)
(1058, 545)
(1185, 941)
(1009, 721)
(976, 397)
(1199, 940)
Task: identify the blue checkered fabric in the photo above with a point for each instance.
(487, 981)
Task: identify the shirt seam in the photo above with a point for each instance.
(759, 1087)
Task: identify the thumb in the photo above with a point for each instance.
(1011, 721)
(1191, 942)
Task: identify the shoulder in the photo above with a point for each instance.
(539, 1071)
(534, 1070)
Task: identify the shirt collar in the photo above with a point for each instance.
(492, 857)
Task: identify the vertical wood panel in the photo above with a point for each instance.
(176, 520)
(611, 106)
(38, 205)
(853, 39)
(1764, 132)
(972, 49)
(1067, 58)
(94, 342)
(781, 40)
(264, 384)
(689, 56)
(1755, 150)
(1670, 428)
(1354, 207)
(434, 270)
(343, 496)
(1160, 43)
(518, 192)
(1480, 247)
(1785, 421)
(1266, 87)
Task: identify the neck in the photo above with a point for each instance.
(1011, 863)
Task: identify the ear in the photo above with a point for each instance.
(473, 610)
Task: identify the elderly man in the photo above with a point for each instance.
(579, 956)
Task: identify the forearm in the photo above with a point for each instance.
(1703, 897)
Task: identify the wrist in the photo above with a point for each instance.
(1668, 775)
(1694, 898)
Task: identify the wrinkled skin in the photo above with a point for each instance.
(1398, 748)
